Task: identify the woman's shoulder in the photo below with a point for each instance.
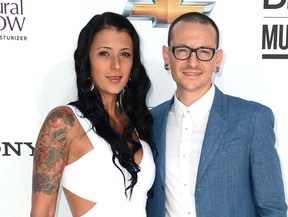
(61, 109)
(61, 123)
(61, 114)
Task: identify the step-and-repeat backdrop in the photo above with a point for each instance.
(37, 41)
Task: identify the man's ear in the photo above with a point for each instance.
(165, 54)
(219, 57)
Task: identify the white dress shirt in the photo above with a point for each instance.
(185, 133)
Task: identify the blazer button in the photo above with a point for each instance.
(150, 194)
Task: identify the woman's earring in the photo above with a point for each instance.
(217, 69)
(92, 86)
(166, 66)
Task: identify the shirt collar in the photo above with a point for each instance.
(198, 109)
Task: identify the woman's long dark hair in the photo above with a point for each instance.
(132, 100)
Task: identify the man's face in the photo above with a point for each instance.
(192, 76)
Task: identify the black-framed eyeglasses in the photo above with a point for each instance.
(183, 52)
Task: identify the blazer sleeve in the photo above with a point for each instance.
(265, 167)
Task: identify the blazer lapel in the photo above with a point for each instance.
(160, 125)
(215, 130)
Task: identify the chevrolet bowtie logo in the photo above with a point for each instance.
(163, 12)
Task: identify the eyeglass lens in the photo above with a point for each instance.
(184, 53)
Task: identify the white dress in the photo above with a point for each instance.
(94, 177)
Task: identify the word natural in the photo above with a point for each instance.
(11, 16)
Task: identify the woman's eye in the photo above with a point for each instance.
(103, 53)
(126, 54)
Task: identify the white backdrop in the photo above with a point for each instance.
(37, 73)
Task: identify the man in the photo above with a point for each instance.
(216, 154)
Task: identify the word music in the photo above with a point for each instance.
(275, 35)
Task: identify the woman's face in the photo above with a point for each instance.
(111, 58)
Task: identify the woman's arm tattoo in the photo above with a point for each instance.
(49, 155)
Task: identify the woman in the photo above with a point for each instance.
(98, 146)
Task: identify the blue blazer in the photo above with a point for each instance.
(239, 173)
